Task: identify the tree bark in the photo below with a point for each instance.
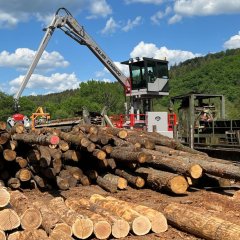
(136, 181)
(201, 223)
(158, 180)
(176, 165)
(119, 182)
(106, 185)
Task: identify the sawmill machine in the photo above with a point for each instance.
(148, 77)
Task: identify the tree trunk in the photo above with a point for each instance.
(158, 180)
(34, 138)
(101, 227)
(31, 218)
(201, 223)
(24, 175)
(78, 174)
(82, 227)
(9, 155)
(136, 181)
(172, 164)
(71, 155)
(106, 185)
(140, 224)
(119, 182)
(22, 162)
(157, 219)
(120, 227)
(120, 154)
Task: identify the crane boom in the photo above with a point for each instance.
(69, 25)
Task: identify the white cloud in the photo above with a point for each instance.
(23, 57)
(144, 1)
(188, 8)
(99, 8)
(110, 26)
(132, 23)
(233, 42)
(55, 83)
(174, 19)
(151, 50)
(160, 14)
(13, 12)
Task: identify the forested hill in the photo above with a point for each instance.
(217, 73)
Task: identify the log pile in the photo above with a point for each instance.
(109, 157)
(78, 218)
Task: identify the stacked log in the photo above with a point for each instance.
(50, 158)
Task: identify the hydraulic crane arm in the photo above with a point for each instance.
(71, 27)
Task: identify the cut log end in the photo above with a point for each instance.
(140, 182)
(4, 197)
(102, 229)
(120, 228)
(9, 220)
(82, 228)
(196, 171)
(141, 226)
(31, 219)
(178, 185)
(63, 227)
(159, 223)
(122, 134)
(2, 235)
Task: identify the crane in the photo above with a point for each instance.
(141, 86)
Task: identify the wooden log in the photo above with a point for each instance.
(140, 225)
(49, 217)
(39, 139)
(101, 227)
(24, 175)
(3, 126)
(119, 132)
(99, 154)
(30, 217)
(39, 181)
(57, 164)
(88, 128)
(63, 145)
(59, 235)
(120, 182)
(106, 185)
(78, 174)
(92, 174)
(14, 183)
(14, 236)
(9, 220)
(2, 235)
(111, 163)
(62, 183)
(72, 155)
(120, 227)
(177, 165)
(136, 181)
(55, 153)
(4, 197)
(157, 219)
(17, 128)
(67, 175)
(158, 180)
(45, 157)
(9, 155)
(203, 224)
(4, 137)
(12, 145)
(91, 147)
(120, 154)
(22, 162)
(82, 227)
(63, 227)
(107, 148)
(34, 234)
(141, 142)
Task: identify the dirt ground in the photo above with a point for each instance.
(219, 204)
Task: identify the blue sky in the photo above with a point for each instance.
(175, 29)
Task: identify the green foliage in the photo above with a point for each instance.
(217, 73)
